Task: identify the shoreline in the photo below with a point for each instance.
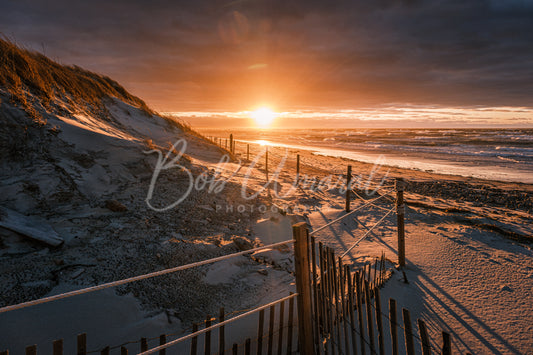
(516, 196)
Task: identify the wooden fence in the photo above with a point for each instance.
(338, 311)
(338, 308)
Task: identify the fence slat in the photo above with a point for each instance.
(207, 341)
(260, 332)
(336, 297)
(105, 351)
(194, 341)
(57, 347)
(123, 351)
(5, 352)
(82, 344)
(247, 347)
(235, 349)
(331, 314)
(303, 286)
(316, 312)
(348, 189)
(408, 332)
(31, 350)
(342, 272)
(351, 309)
(144, 344)
(162, 341)
(221, 335)
(369, 318)
(426, 348)
(358, 278)
(280, 327)
(379, 323)
(400, 215)
(446, 344)
(393, 324)
(271, 330)
(291, 320)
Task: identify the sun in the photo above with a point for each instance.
(263, 116)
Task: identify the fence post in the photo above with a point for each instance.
(348, 189)
(144, 344)
(393, 324)
(207, 341)
(266, 163)
(426, 347)
(379, 323)
(231, 143)
(31, 350)
(221, 336)
(297, 167)
(400, 213)
(248, 152)
(57, 347)
(408, 332)
(82, 344)
(300, 234)
(260, 332)
(194, 341)
(162, 341)
(446, 344)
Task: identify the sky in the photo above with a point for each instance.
(435, 62)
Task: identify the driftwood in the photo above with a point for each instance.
(30, 227)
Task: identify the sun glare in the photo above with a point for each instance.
(263, 116)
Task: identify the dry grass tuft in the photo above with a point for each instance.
(34, 82)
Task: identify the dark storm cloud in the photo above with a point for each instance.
(342, 53)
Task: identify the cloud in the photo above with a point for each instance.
(181, 55)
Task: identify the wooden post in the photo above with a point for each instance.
(162, 341)
(291, 320)
(271, 330)
(280, 327)
(348, 188)
(393, 323)
(330, 301)
(58, 347)
(379, 323)
(315, 291)
(231, 143)
(31, 350)
(248, 152)
(207, 344)
(303, 287)
(426, 347)
(358, 287)
(5, 352)
(446, 344)
(226, 144)
(400, 214)
(123, 350)
(247, 346)
(369, 319)
(82, 344)
(297, 167)
(351, 305)
(266, 163)
(235, 349)
(408, 332)
(194, 341)
(106, 350)
(221, 336)
(144, 344)
(260, 332)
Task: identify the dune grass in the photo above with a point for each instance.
(34, 81)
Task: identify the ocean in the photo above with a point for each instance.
(501, 155)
